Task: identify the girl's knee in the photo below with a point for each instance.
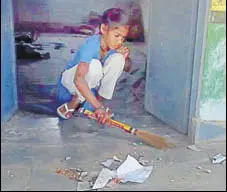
(95, 67)
(117, 57)
(95, 73)
(118, 61)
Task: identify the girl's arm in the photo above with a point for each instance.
(82, 86)
(79, 80)
(125, 52)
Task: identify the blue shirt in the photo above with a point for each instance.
(88, 51)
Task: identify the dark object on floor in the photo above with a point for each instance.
(27, 37)
(72, 50)
(29, 51)
(58, 45)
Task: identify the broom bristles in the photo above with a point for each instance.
(153, 139)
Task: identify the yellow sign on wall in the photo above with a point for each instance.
(218, 5)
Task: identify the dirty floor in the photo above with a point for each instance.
(33, 146)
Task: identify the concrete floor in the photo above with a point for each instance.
(33, 146)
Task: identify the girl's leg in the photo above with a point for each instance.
(71, 106)
(69, 93)
(66, 101)
(113, 68)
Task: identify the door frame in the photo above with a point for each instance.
(197, 70)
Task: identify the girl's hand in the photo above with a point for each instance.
(102, 115)
(124, 51)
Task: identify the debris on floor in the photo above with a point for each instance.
(219, 158)
(132, 171)
(83, 175)
(143, 161)
(135, 155)
(87, 180)
(113, 182)
(11, 174)
(141, 154)
(73, 50)
(139, 143)
(172, 180)
(194, 148)
(103, 178)
(67, 158)
(84, 186)
(107, 163)
(115, 158)
(129, 171)
(112, 163)
(204, 170)
(136, 143)
(78, 170)
(57, 45)
(92, 176)
(71, 173)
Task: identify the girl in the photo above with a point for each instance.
(98, 64)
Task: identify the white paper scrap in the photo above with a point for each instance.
(219, 158)
(194, 148)
(107, 163)
(131, 170)
(115, 158)
(104, 176)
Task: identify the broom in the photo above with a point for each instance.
(149, 138)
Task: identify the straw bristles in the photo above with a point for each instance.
(152, 139)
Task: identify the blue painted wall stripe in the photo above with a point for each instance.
(8, 63)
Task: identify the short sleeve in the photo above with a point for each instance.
(89, 50)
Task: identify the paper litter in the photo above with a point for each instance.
(219, 158)
(107, 163)
(194, 148)
(129, 171)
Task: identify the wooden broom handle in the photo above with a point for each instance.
(115, 123)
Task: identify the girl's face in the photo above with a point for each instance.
(114, 36)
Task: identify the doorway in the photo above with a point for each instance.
(164, 64)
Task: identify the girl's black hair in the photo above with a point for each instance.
(115, 16)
